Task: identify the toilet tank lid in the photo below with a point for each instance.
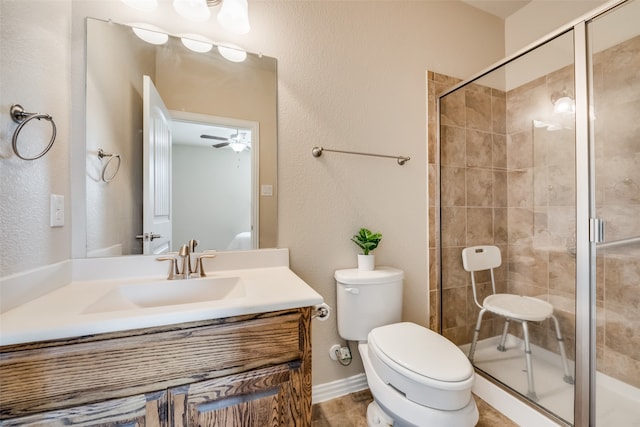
(380, 275)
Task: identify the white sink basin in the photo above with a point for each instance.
(102, 295)
(168, 293)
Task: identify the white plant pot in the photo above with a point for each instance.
(366, 262)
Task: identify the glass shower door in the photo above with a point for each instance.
(615, 142)
(507, 179)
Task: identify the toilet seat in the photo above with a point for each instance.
(425, 366)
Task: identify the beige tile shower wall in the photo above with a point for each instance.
(472, 199)
(436, 84)
(541, 203)
(617, 133)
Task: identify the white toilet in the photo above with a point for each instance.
(416, 376)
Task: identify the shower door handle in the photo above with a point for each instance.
(596, 230)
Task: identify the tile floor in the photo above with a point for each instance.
(350, 411)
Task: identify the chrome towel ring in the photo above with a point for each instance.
(22, 118)
(104, 176)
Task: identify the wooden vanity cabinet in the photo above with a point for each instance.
(252, 370)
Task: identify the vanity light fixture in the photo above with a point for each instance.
(150, 33)
(234, 16)
(193, 10)
(232, 52)
(196, 43)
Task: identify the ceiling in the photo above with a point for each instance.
(500, 8)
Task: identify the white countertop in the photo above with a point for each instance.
(63, 312)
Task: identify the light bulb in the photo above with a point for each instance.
(234, 16)
(564, 105)
(232, 53)
(196, 43)
(237, 146)
(150, 34)
(193, 10)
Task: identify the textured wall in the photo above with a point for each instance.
(35, 38)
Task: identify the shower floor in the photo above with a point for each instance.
(617, 403)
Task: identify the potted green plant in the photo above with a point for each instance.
(367, 241)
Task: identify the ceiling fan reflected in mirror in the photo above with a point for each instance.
(239, 141)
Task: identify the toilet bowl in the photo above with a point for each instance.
(390, 404)
(426, 367)
(416, 376)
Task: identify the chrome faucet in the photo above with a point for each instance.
(186, 270)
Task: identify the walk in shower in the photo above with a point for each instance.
(540, 156)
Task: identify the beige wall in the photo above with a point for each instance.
(539, 17)
(351, 76)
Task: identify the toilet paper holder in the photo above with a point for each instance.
(321, 312)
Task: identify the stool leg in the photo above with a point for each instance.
(531, 392)
(476, 332)
(563, 355)
(503, 339)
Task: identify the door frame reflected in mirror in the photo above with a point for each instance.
(238, 240)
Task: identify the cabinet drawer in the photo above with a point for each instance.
(261, 398)
(148, 410)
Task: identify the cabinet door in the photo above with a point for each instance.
(259, 398)
(143, 410)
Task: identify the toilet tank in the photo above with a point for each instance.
(366, 300)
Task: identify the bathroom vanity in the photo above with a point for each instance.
(248, 369)
(252, 370)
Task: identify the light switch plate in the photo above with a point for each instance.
(56, 211)
(266, 190)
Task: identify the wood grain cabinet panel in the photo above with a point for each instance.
(148, 410)
(254, 368)
(258, 398)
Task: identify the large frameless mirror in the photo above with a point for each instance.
(198, 162)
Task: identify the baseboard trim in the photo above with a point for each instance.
(337, 388)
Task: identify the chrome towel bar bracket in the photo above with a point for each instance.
(317, 152)
(22, 118)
